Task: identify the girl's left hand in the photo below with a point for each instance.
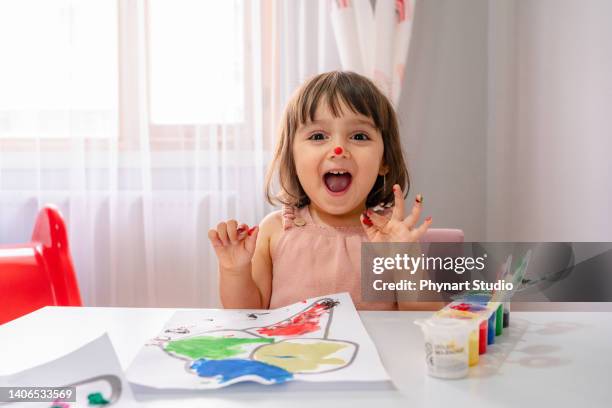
(396, 228)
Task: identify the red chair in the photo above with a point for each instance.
(39, 273)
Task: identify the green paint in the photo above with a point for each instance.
(214, 348)
(96, 398)
(499, 320)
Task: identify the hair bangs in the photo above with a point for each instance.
(337, 91)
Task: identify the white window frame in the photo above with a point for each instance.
(170, 140)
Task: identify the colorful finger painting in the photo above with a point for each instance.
(316, 340)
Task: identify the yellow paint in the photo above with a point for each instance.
(473, 337)
(473, 348)
(301, 357)
(457, 314)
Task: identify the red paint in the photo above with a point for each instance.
(250, 232)
(60, 404)
(367, 221)
(428, 219)
(462, 306)
(240, 230)
(304, 322)
(482, 337)
(338, 150)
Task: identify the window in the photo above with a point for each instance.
(58, 76)
(196, 62)
(68, 70)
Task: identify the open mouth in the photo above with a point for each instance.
(337, 181)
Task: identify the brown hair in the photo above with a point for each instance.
(361, 96)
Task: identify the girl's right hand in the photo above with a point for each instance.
(233, 244)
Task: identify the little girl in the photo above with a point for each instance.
(339, 165)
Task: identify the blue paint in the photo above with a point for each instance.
(491, 331)
(477, 298)
(229, 369)
(477, 307)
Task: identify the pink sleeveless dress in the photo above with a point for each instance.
(315, 260)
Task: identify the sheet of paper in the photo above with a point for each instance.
(93, 368)
(317, 340)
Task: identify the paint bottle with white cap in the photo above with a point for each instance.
(446, 346)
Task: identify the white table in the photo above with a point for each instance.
(546, 359)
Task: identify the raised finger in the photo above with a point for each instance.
(214, 238)
(232, 227)
(422, 228)
(368, 226)
(222, 232)
(251, 239)
(415, 213)
(398, 208)
(242, 231)
(378, 221)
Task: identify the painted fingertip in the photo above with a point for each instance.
(241, 230)
(396, 188)
(366, 220)
(428, 219)
(251, 230)
(419, 198)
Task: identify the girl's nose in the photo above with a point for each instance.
(338, 152)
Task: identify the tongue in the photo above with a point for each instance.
(337, 182)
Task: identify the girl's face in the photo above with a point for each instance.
(338, 159)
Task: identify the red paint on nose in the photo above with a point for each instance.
(338, 150)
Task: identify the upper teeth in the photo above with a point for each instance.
(337, 172)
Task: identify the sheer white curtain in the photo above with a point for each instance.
(373, 40)
(146, 129)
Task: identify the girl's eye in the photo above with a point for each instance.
(317, 136)
(361, 136)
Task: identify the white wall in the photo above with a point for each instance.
(442, 112)
(549, 127)
(505, 117)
